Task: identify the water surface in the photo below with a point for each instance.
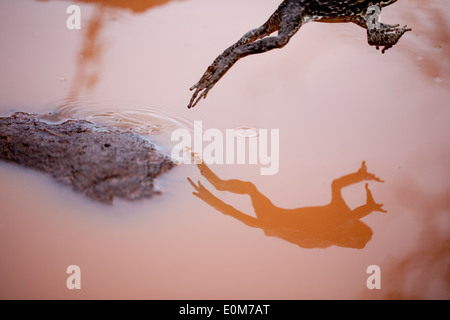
(336, 101)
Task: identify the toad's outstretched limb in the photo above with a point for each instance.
(287, 20)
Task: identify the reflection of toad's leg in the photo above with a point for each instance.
(368, 208)
(261, 204)
(202, 193)
(360, 175)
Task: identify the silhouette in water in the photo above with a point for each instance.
(309, 227)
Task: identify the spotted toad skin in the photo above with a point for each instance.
(287, 20)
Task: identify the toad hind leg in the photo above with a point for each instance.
(287, 20)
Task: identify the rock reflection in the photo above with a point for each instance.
(308, 227)
(89, 58)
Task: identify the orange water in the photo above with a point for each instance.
(335, 100)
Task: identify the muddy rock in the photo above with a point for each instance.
(99, 162)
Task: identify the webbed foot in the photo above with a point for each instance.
(385, 36)
(371, 202)
(366, 175)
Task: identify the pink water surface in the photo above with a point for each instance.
(336, 101)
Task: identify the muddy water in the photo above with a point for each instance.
(336, 102)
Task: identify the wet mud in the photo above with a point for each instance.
(96, 161)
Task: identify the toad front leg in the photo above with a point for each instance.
(287, 20)
(380, 34)
(385, 36)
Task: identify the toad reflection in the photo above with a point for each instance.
(308, 227)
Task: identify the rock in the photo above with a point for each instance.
(99, 162)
